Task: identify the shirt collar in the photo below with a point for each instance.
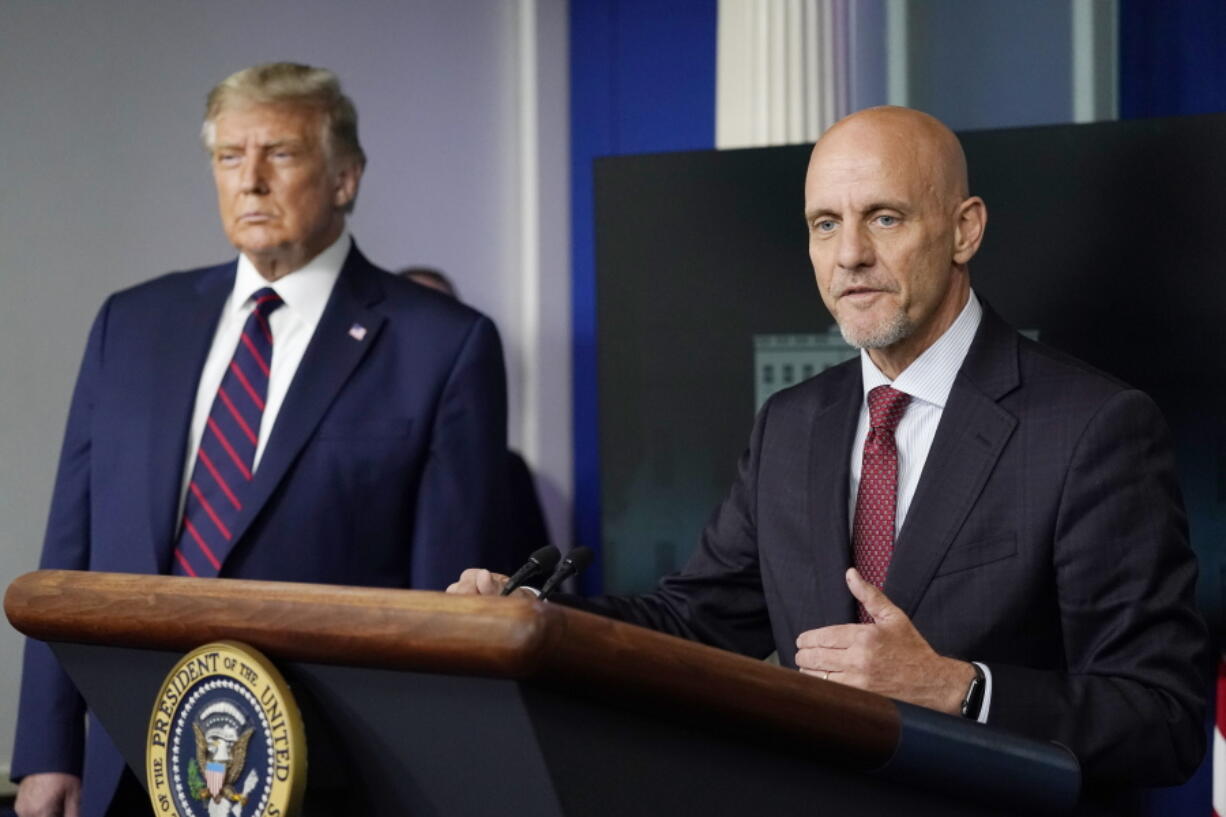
(931, 376)
(304, 291)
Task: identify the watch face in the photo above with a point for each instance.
(973, 701)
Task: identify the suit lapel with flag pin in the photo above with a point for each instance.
(329, 361)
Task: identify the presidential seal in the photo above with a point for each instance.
(225, 738)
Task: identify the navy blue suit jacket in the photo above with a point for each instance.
(384, 466)
(1046, 539)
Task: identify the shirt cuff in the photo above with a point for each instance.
(987, 692)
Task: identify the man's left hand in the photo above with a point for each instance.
(888, 656)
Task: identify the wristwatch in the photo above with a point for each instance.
(973, 700)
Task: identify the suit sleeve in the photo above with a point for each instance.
(50, 718)
(459, 504)
(1131, 703)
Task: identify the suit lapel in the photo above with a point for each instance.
(330, 359)
(834, 429)
(970, 438)
(181, 344)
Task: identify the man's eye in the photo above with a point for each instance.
(227, 158)
(887, 221)
(824, 225)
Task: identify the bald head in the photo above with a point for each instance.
(907, 142)
(891, 230)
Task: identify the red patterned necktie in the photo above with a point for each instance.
(224, 461)
(872, 533)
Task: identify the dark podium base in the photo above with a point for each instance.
(425, 745)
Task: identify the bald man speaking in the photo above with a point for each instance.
(961, 518)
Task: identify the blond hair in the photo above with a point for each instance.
(292, 84)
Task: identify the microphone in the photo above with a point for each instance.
(572, 565)
(542, 560)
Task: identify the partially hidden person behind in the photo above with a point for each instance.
(524, 528)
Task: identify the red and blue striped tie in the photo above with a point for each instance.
(224, 461)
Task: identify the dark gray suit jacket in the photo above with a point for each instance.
(1046, 539)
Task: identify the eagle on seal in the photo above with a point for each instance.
(222, 762)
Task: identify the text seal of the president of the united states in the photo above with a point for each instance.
(225, 738)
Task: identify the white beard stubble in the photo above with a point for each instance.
(890, 331)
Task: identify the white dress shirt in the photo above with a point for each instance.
(929, 380)
(305, 293)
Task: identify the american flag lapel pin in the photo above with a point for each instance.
(357, 331)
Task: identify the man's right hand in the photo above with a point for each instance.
(49, 794)
(477, 581)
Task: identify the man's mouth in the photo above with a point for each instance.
(860, 293)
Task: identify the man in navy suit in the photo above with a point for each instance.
(1028, 566)
(359, 441)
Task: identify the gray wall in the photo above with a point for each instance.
(991, 63)
(103, 183)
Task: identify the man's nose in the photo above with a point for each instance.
(855, 248)
(253, 177)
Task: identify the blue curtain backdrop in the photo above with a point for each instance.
(1172, 57)
(642, 81)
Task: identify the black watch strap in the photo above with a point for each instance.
(972, 702)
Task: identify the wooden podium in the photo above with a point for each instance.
(420, 703)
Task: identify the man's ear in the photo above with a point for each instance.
(347, 179)
(971, 221)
